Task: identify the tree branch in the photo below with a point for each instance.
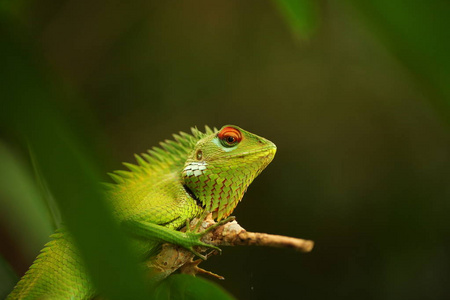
(172, 257)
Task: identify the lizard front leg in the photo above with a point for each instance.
(187, 240)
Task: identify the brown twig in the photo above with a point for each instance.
(172, 258)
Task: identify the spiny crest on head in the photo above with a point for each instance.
(170, 154)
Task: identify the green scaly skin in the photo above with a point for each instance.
(186, 178)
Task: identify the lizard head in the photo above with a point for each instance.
(222, 165)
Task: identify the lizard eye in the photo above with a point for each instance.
(229, 136)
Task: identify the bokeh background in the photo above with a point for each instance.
(355, 96)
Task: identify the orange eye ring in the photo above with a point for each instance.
(229, 136)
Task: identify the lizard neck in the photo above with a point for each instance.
(219, 187)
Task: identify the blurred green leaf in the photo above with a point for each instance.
(12, 7)
(46, 193)
(7, 278)
(417, 33)
(186, 287)
(21, 206)
(301, 15)
(67, 165)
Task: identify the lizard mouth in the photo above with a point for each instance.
(265, 152)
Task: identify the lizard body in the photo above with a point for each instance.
(196, 174)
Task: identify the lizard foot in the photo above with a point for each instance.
(195, 238)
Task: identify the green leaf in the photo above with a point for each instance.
(7, 278)
(21, 206)
(46, 193)
(417, 33)
(186, 287)
(301, 15)
(67, 165)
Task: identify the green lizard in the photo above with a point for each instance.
(184, 179)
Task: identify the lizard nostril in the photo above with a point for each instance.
(199, 154)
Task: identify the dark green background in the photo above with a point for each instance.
(356, 102)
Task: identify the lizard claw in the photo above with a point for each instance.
(220, 223)
(196, 237)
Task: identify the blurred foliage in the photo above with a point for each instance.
(359, 114)
(58, 151)
(7, 278)
(416, 32)
(302, 16)
(186, 287)
(18, 191)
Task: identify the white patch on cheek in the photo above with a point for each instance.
(195, 168)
